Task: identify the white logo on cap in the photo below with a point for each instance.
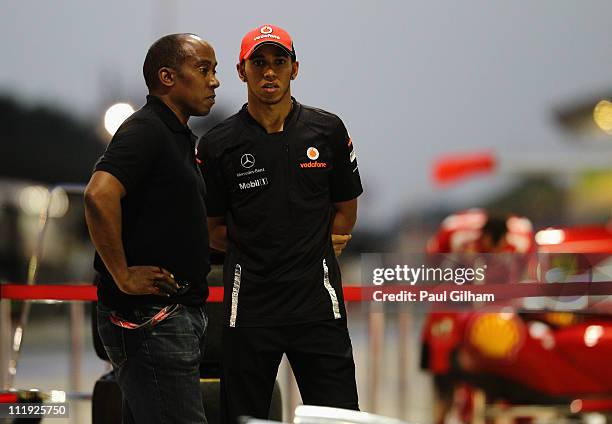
(266, 29)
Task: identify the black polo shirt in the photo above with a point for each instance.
(276, 192)
(163, 212)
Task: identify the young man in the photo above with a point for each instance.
(282, 184)
(144, 207)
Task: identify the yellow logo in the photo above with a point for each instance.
(495, 336)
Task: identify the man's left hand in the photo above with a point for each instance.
(339, 241)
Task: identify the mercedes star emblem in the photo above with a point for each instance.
(247, 160)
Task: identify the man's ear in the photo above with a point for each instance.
(240, 70)
(296, 67)
(166, 76)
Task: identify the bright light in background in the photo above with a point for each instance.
(576, 406)
(602, 115)
(550, 236)
(34, 200)
(592, 335)
(538, 330)
(115, 115)
(17, 338)
(58, 396)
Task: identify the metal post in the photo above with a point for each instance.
(403, 337)
(376, 321)
(77, 330)
(33, 268)
(5, 342)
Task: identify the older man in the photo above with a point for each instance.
(145, 212)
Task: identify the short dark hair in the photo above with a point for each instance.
(168, 51)
(496, 227)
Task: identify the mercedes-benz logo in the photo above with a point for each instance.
(247, 160)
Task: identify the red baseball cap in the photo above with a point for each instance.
(263, 35)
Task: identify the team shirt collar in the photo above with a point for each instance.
(167, 115)
(289, 120)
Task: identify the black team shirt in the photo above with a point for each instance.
(276, 193)
(163, 212)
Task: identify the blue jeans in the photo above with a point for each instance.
(157, 366)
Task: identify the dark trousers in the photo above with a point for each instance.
(157, 367)
(320, 355)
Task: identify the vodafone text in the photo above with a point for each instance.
(313, 165)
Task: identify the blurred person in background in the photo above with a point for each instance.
(145, 213)
(503, 243)
(282, 184)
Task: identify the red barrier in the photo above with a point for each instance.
(88, 292)
(51, 292)
(590, 405)
(8, 398)
(506, 291)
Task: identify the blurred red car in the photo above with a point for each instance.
(520, 357)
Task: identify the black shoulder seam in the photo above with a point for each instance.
(218, 146)
(320, 111)
(227, 121)
(153, 126)
(335, 119)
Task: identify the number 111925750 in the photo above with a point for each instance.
(21, 410)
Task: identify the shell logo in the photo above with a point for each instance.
(312, 153)
(266, 29)
(496, 336)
